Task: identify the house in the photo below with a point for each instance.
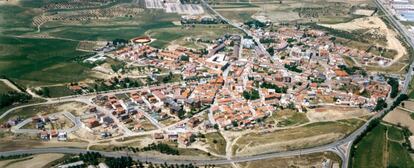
(44, 135)
(158, 136)
(193, 122)
(62, 136)
(92, 123)
(185, 138)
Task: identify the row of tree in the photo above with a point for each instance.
(160, 147)
(12, 97)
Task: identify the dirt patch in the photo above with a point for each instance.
(335, 113)
(377, 26)
(294, 138)
(40, 160)
(400, 117)
(311, 160)
(76, 108)
(9, 2)
(363, 12)
(289, 144)
(409, 105)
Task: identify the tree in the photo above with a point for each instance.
(393, 82)
(181, 114)
(381, 104)
(45, 92)
(10, 98)
(216, 126)
(271, 51)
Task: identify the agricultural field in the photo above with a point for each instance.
(330, 113)
(310, 135)
(382, 147)
(4, 88)
(36, 43)
(324, 11)
(40, 160)
(400, 117)
(312, 160)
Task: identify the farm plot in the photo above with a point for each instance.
(400, 117)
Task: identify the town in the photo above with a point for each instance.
(254, 90)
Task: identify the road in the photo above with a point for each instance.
(405, 33)
(162, 160)
(259, 44)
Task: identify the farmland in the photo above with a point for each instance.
(4, 88)
(325, 11)
(29, 53)
(312, 160)
(382, 147)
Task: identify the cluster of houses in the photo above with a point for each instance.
(308, 71)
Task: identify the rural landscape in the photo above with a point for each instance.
(207, 83)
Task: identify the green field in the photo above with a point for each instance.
(398, 156)
(32, 61)
(395, 134)
(4, 88)
(41, 60)
(376, 151)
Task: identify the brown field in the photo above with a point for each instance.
(400, 117)
(15, 144)
(312, 160)
(335, 113)
(295, 138)
(287, 117)
(409, 105)
(40, 160)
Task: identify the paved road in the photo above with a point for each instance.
(405, 33)
(163, 160)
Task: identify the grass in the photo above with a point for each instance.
(216, 143)
(36, 62)
(369, 151)
(165, 36)
(50, 61)
(27, 112)
(305, 133)
(41, 60)
(32, 101)
(287, 118)
(395, 134)
(4, 88)
(398, 156)
(376, 151)
(192, 152)
(60, 91)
